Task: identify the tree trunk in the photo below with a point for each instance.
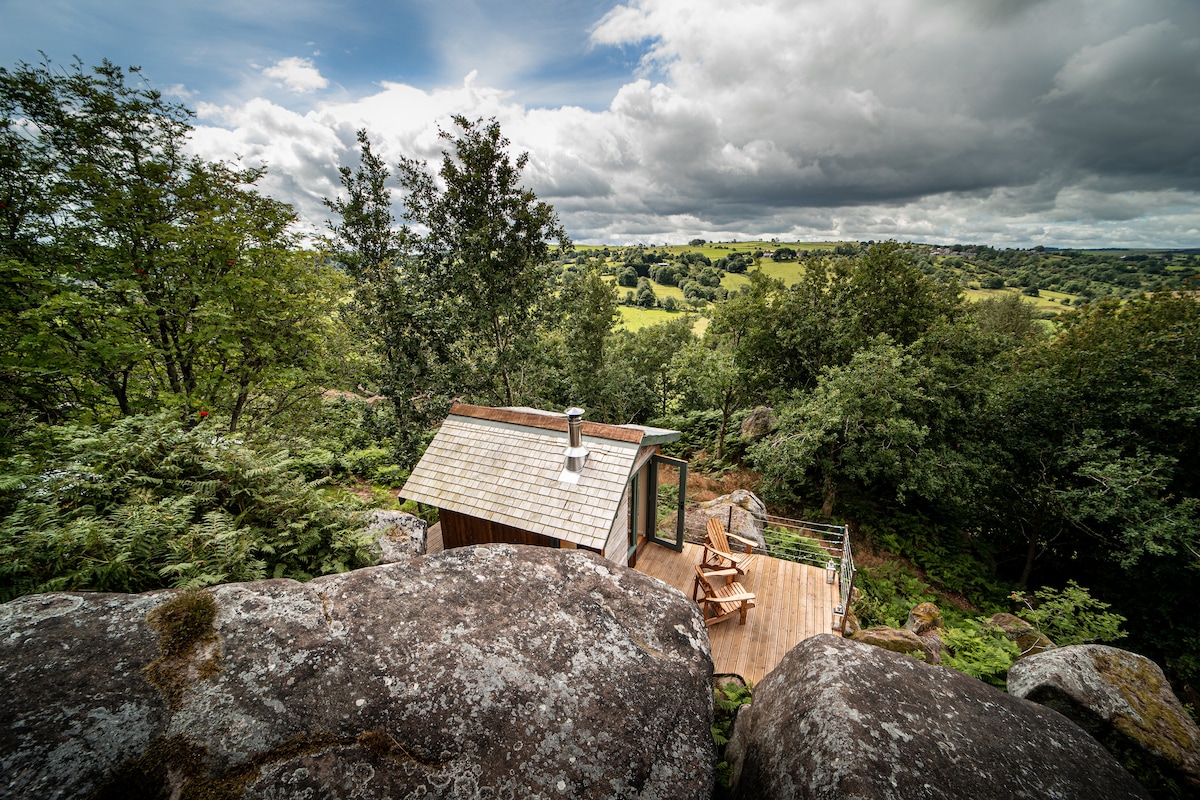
(724, 426)
(830, 499)
(164, 338)
(1026, 571)
(239, 405)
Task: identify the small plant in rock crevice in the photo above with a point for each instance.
(728, 697)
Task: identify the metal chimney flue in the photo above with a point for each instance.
(576, 453)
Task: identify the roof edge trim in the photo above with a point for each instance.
(525, 419)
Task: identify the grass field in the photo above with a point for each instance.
(789, 272)
(634, 318)
(1048, 301)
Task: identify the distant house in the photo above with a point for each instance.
(525, 476)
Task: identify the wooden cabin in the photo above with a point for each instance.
(525, 476)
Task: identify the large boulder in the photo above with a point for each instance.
(1121, 698)
(397, 535)
(758, 423)
(928, 648)
(837, 719)
(740, 511)
(493, 671)
(1029, 639)
(925, 618)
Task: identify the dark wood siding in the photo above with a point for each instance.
(459, 530)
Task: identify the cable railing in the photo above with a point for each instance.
(817, 543)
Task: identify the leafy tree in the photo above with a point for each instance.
(144, 277)
(856, 430)
(1008, 317)
(394, 310)
(1096, 440)
(648, 354)
(887, 293)
(590, 315)
(645, 294)
(367, 238)
(486, 255)
(709, 377)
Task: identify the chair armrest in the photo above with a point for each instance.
(741, 596)
(750, 543)
(709, 573)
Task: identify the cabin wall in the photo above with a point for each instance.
(616, 547)
(460, 530)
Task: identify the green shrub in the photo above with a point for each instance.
(980, 650)
(955, 562)
(392, 475)
(366, 462)
(316, 462)
(888, 593)
(151, 503)
(1070, 615)
(726, 701)
(792, 546)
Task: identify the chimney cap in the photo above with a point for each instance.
(574, 411)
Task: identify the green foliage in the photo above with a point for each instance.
(954, 560)
(698, 432)
(980, 650)
(1008, 317)
(1070, 615)
(790, 545)
(889, 592)
(150, 503)
(483, 268)
(860, 426)
(143, 277)
(727, 699)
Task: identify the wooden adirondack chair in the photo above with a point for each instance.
(721, 602)
(718, 555)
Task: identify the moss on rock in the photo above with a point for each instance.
(187, 644)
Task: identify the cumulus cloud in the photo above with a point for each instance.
(297, 74)
(1065, 122)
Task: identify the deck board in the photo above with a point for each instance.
(793, 604)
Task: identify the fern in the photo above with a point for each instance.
(980, 650)
(150, 503)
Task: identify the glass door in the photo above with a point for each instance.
(669, 538)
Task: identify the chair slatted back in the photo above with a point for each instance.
(716, 536)
(702, 580)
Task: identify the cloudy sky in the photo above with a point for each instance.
(1007, 122)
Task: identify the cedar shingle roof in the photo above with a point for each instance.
(504, 465)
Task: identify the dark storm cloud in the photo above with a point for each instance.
(1010, 121)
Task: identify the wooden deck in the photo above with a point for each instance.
(793, 603)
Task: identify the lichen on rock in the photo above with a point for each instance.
(838, 719)
(497, 670)
(1125, 701)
